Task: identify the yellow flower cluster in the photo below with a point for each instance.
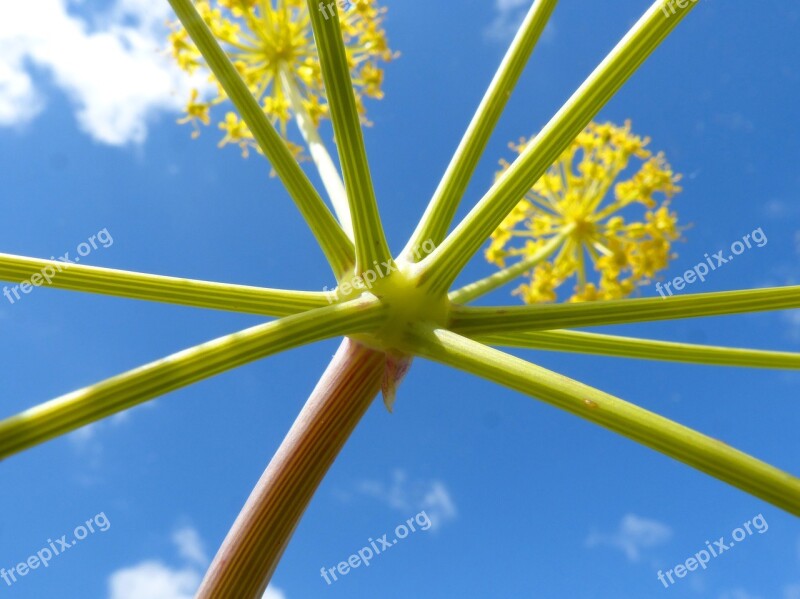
(271, 44)
(574, 202)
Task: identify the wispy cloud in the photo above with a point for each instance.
(509, 15)
(780, 208)
(792, 319)
(154, 579)
(407, 496)
(88, 445)
(735, 121)
(633, 536)
(190, 545)
(791, 592)
(114, 70)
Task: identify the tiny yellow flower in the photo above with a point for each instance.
(271, 44)
(581, 199)
(196, 111)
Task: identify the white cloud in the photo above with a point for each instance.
(153, 579)
(115, 71)
(633, 536)
(510, 14)
(19, 103)
(409, 496)
(190, 545)
(273, 593)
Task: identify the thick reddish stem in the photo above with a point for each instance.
(251, 551)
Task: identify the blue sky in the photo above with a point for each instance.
(525, 500)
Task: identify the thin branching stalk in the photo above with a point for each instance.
(644, 349)
(670, 438)
(370, 239)
(472, 321)
(443, 265)
(79, 408)
(158, 288)
(332, 239)
(496, 280)
(248, 557)
(442, 207)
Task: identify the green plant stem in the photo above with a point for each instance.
(335, 244)
(670, 438)
(79, 408)
(536, 317)
(442, 207)
(442, 267)
(370, 240)
(158, 288)
(482, 287)
(644, 349)
(251, 550)
(319, 154)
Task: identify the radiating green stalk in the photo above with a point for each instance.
(87, 405)
(445, 201)
(328, 172)
(447, 261)
(644, 349)
(537, 317)
(675, 440)
(500, 278)
(332, 239)
(172, 290)
(370, 240)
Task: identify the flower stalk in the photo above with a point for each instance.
(158, 288)
(250, 553)
(335, 244)
(444, 264)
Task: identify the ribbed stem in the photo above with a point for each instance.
(248, 557)
(705, 453)
(538, 317)
(335, 244)
(446, 262)
(443, 205)
(644, 349)
(79, 408)
(368, 231)
(157, 288)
